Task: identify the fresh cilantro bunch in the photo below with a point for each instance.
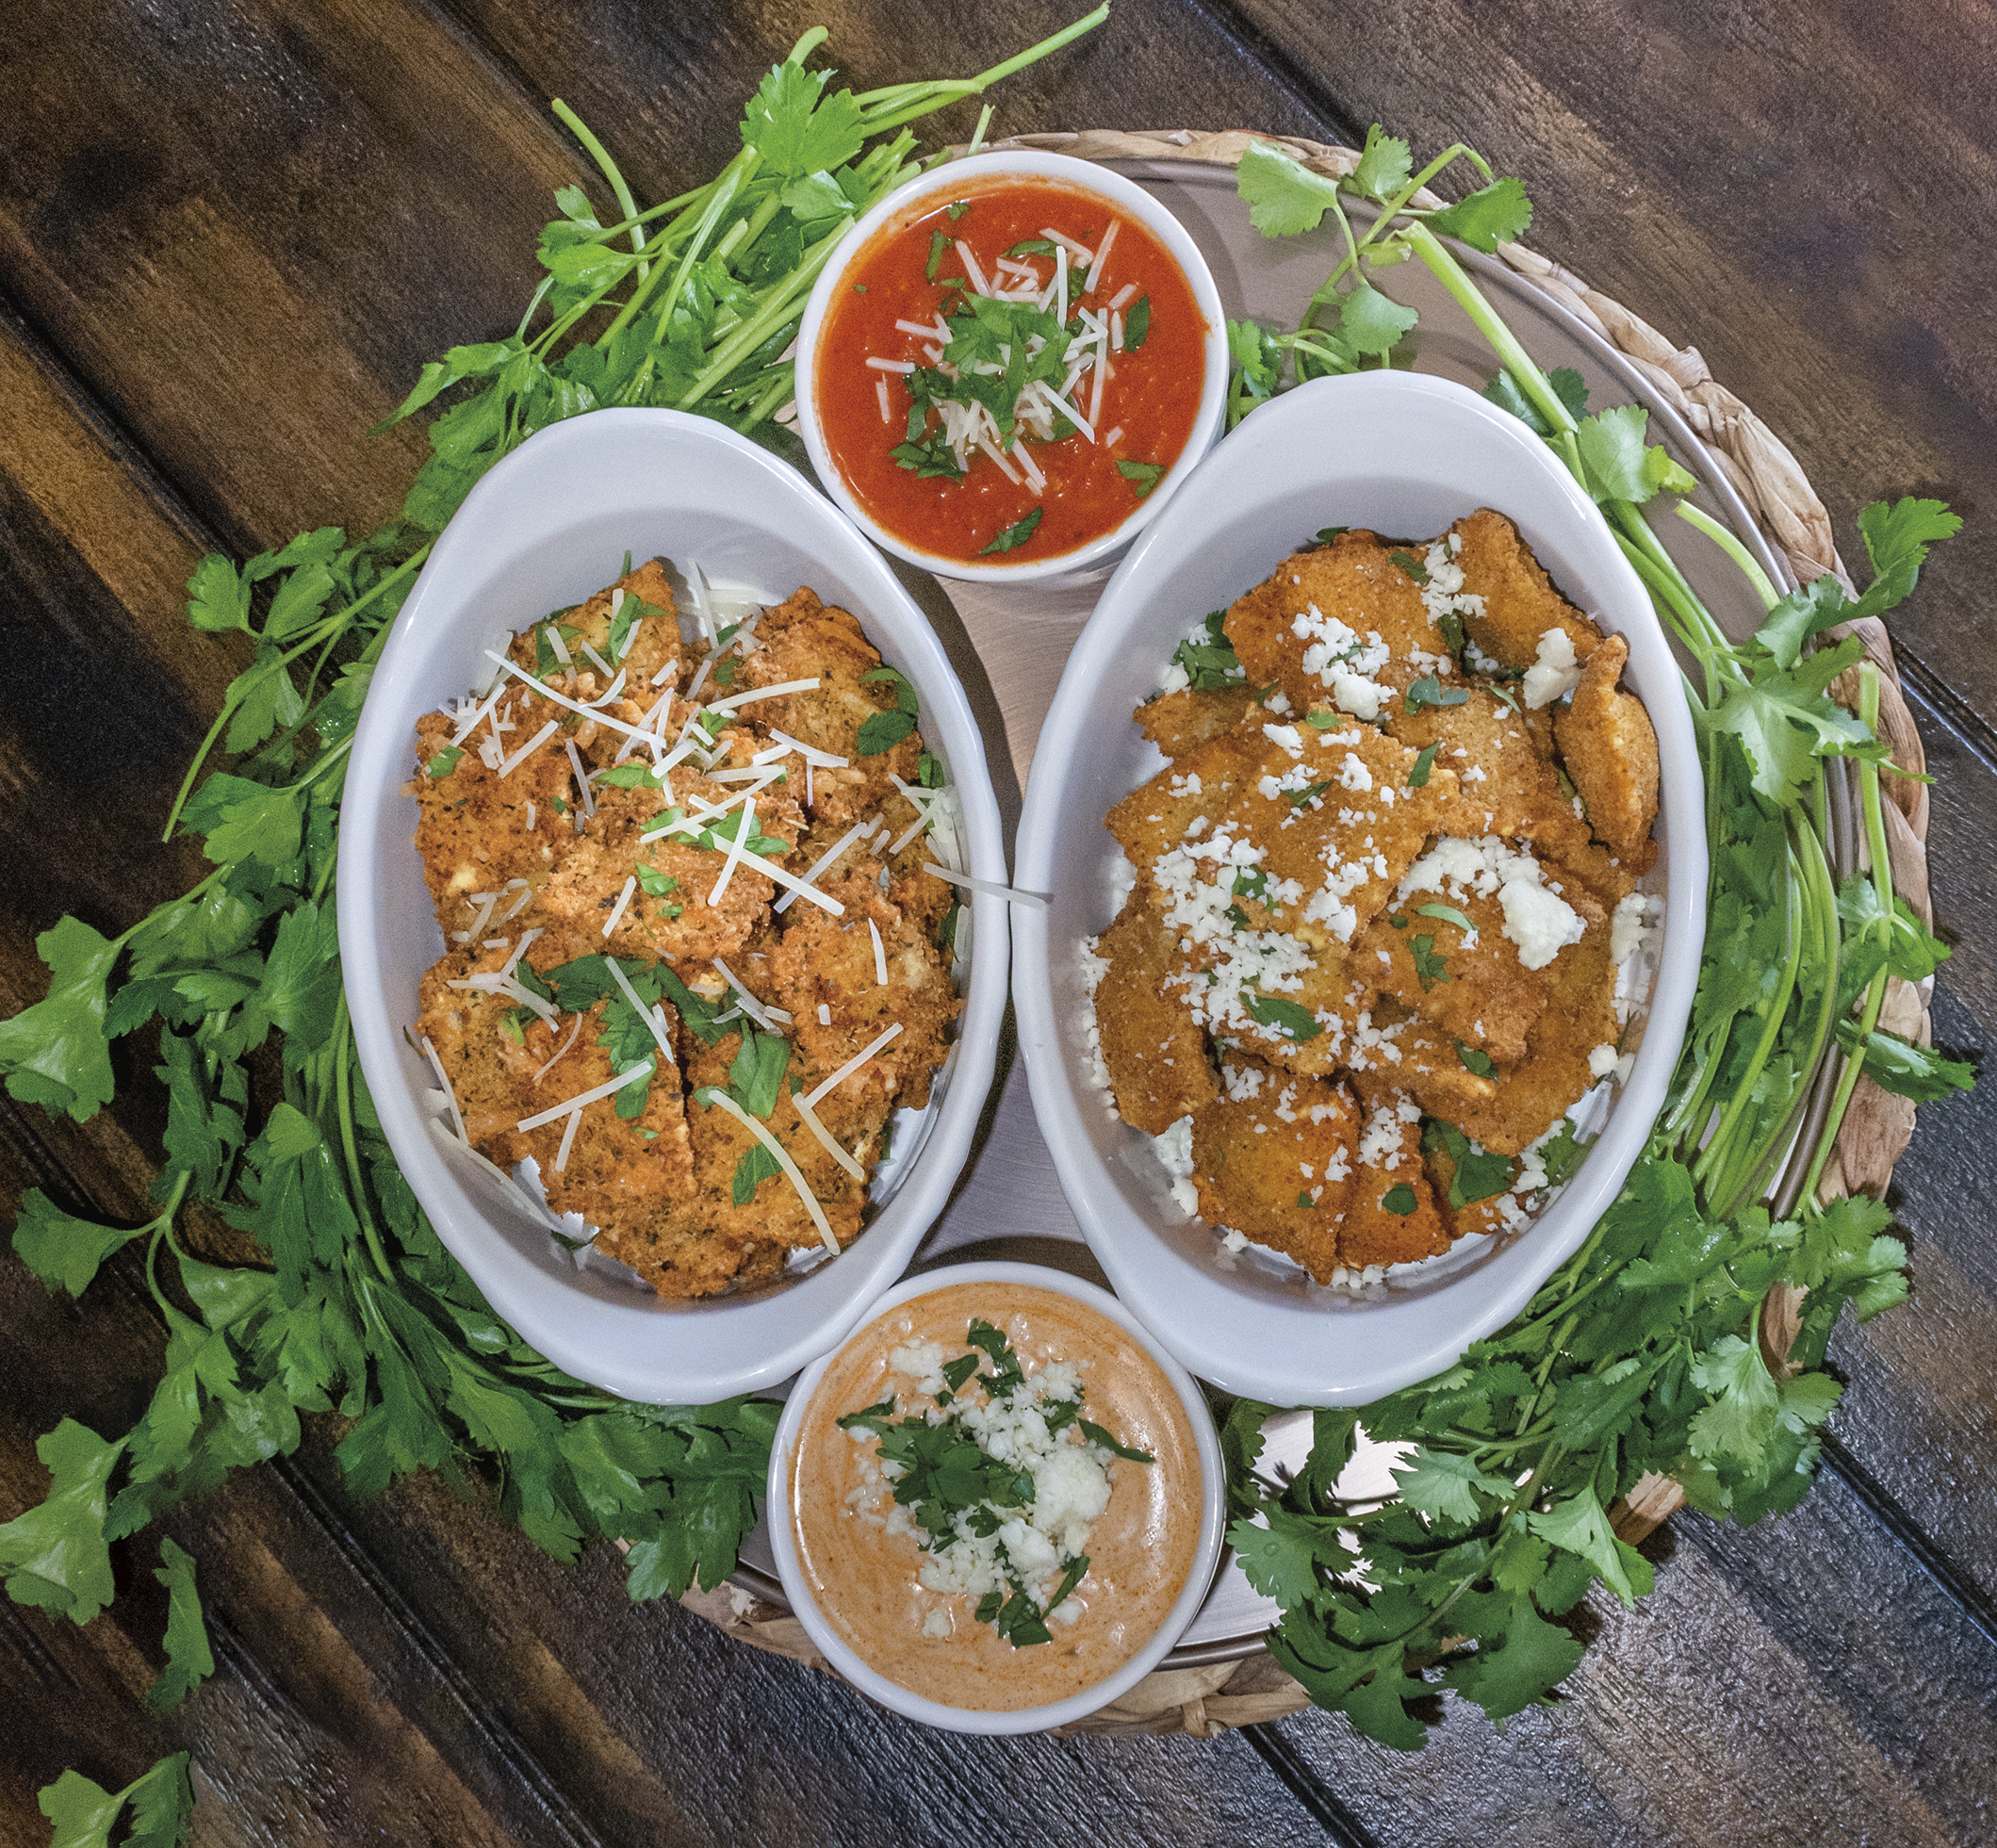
(357, 1307)
(1644, 1351)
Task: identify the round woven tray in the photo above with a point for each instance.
(1877, 1126)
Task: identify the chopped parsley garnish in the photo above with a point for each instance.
(883, 732)
(1451, 623)
(1304, 798)
(1418, 771)
(954, 1488)
(938, 243)
(1400, 1199)
(1252, 882)
(930, 771)
(1479, 1065)
(724, 672)
(444, 763)
(757, 1166)
(1137, 323)
(1031, 247)
(653, 883)
(1429, 691)
(1142, 476)
(1411, 564)
(1428, 967)
(1448, 914)
(1210, 665)
(956, 209)
(1014, 535)
(933, 458)
(546, 660)
(1325, 534)
(1560, 1154)
(624, 776)
(1292, 1022)
(1479, 1174)
(1304, 1200)
(1324, 719)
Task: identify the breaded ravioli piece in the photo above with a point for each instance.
(1156, 1056)
(1504, 786)
(1485, 1214)
(1470, 985)
(829, 964)
(1272, 1155)
(1333, 613)
(1333, 999)
(1609, 748)
(631, 625)
(1396, 1050)
(614, 1174)
(477, 831)
(803, 639)
(1533, 1093)
(1179, 722)
(1390, 1211)
(757, 1232)
(1519, 603)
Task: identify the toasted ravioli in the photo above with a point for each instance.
(590, 812)
(1322, 610)
(1504, 786)
(1390, 1211)
(829, 962)
(803, 639)
(1519, 603)
(1409, 1054)
(1611, 752)
(1155, 1051)
(1470, 984)
(1486, 1215)
(1178, 722)
(1533, 1093)
(1272, 1156)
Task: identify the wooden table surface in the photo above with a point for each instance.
(231, 232)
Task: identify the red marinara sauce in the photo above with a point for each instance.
(912, 272)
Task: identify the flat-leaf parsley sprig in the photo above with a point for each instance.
(689, 304)
(1642, 1353)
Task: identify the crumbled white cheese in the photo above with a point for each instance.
(1538, 920)
(1354, 776)
(1540, 923)
(1356, 694)
(1554, 673)
(1174, 1149)
(1094, 967)
(1602, 1060)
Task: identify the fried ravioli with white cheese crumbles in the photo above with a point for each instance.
(608, 831)
(1370, 917)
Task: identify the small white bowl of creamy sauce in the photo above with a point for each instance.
(998, 1504)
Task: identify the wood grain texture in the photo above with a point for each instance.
(234, 232)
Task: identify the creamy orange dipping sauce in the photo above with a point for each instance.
(864, 1578)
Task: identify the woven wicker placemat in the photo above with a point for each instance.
(1206, 1702)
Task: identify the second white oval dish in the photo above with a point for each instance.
(1400, 454)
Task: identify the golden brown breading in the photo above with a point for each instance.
(1504, 786)
(1155, 1053)
(1375, 1229)
(1328, 992)
(1475, 990)
(1353, 581)
(1611, 752)
(1271, 1157)
(1519, 602)
(803, 639)
(651, 639)
(472, 826)
(826, 962)
(1398, 1051)
(615, 1172)
(1535, 1092)
(1177, 722)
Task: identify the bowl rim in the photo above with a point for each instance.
(1207, 1553)
(1081, 176)
(1249, 1344)
(616, 1344)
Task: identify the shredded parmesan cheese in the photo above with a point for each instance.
(853, 1064)
(826, 1140)
(1008, 893)
(644, 1069)
(624, 898)
(527, 749)
(880, 956)
(780, 1155)
(450, 1096)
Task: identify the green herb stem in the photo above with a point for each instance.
(609, 169)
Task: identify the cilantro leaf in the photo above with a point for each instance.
(1386, 164)
(1440, 1483)
(1480, 1065)
(1411, 566)
(1896, 540)
(1371, 323)
(905, 697)
(1898, 1066)
(61, 1249)
(190, 1661)
(1430, 968)
(1142, 476)
(1284, 197)
(1428, 689)
(56, 1555)
(797, 128)
(161, 1800)
(1579, 1524)
(1016, 534)
(1278, 1557)
(1096, 1435)
(1211, 664)
(1567, 386)
(1400, 1198)
(1286, 1017)
(1479, 1173)
(1806, 611)
(1448, 914)
(54, 1054)
(1531, 1658)
(1496, 214)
